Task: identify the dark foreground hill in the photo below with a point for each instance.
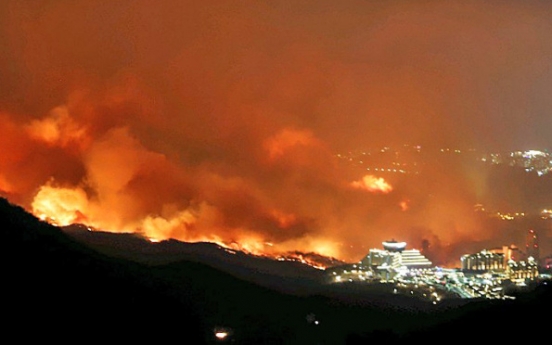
(57, 289)
(285, 276)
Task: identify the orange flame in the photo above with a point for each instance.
(371, 183)
(60, 206)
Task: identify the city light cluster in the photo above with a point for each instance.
(411, 159)
(488, 274)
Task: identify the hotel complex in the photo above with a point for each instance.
(394, 258)
(507, 261)
(487, 274)
(384, 264)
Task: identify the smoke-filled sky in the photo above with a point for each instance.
(220, 120)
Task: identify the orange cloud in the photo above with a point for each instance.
(58, 128)
(286, 139)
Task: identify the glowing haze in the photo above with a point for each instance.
(221, 120)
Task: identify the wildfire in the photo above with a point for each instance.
(60, 206)
(63, 206)
(372, 183)
(304, 259)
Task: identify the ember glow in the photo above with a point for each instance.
(372, 184)
(221, 121)
(404, 205)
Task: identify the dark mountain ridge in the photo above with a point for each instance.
(56, 288)
(288, 276)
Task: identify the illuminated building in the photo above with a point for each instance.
(511, 252)
(483, 261)
(523, 269)
(380, 258)
(394, 258)
(380, 264)
(508, 260)
(394, 246)
(493, 259)
(412, 258)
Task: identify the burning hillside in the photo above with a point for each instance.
(220, 121)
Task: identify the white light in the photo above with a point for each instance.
(221, 335)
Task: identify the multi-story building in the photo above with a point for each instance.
(519, 271)
(495, 259)
(412, 258)
(483, 261)
(394, 258)
(509, 261)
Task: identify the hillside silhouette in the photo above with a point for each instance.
(56, 288)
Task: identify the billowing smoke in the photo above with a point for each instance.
(223, 121)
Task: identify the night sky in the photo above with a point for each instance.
(221, 120)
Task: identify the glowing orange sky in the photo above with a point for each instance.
(220, 120)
